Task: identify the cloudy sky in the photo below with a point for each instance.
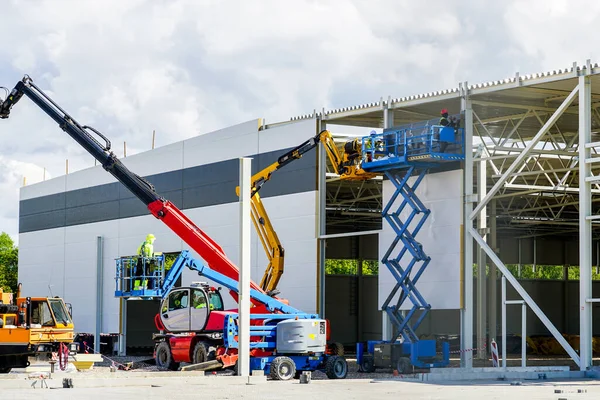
(186, 67)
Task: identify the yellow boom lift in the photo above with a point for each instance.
(345, 162)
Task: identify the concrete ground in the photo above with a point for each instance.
(223, 387)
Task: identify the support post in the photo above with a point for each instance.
(481, 265)
(123, 327)
(493, 281)
(585, 224)
(321, 223)
(244, 280)
(466, 358)
(526, 297)
(524, 335)
(387, 330)
(99, 291)
(503, 322)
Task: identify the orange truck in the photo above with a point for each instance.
(33, 327)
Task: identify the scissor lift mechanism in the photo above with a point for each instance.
(400, 154)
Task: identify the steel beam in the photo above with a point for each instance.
(525, 296)
(585, 224)
(551, 121)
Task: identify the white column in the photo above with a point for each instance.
(387, 330)
(481, 265)
(99, 292)
(466, 314)
(585, 224)
(244, 281)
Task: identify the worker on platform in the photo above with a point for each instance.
(445, 121)
(145, 252)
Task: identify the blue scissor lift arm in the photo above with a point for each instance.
(399, 154)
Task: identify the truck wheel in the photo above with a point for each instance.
(199, 355)
(367, 365)
(403, 365)
(282, 368)
(336, 367)
(164, 357)
(5, 370)
(336, 348)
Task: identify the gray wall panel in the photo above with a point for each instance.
(167, 182)
(91, 195)
(209, 195)
(131, 207)
(211, 173)
(193, 187)
(49, 220)
(92, 213)
(42, 204)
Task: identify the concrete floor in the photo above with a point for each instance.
(170, 385)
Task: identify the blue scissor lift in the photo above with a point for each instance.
(401, 153)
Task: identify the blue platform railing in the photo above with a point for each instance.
(140, 276)
(401, 147)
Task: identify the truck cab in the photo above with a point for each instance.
(196, 308)
(49, 322)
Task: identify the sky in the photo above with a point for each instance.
(187, 67)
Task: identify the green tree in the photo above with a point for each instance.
(9, 263)
(350, 267)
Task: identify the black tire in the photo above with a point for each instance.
(164, 358)
(203, 351)
(367, 364)
(5, 370)
(282, 368)
(336, 348)
(403, 365)
(336, 367)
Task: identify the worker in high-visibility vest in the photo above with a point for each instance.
(145, 251)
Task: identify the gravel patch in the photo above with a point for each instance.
(146, 364)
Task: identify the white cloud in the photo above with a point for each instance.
(184, 67)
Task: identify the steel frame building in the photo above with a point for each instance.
(534, 168)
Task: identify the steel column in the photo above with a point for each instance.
(481, 265)
(585, 223)
(245, 267)
(466, 313)
(493, 281)
(504, 322)
(321, 222)
(525, 296)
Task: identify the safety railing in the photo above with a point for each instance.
(411, 143)
(139, 276)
